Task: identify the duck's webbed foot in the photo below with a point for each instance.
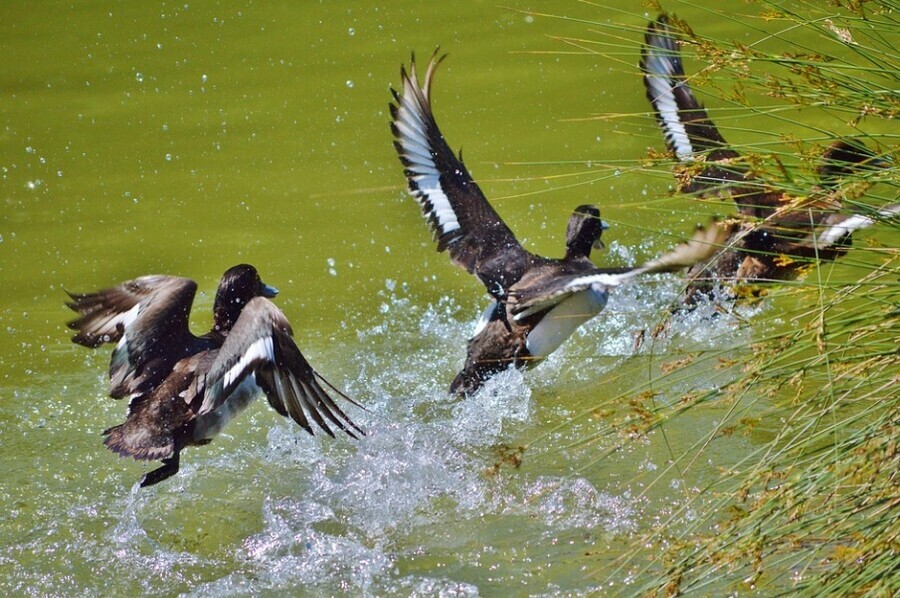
(168, 469)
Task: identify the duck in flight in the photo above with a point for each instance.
(183, 389)
(538, 302)
(778, 236)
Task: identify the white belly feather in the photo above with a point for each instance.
(212, 423)
(563, 320)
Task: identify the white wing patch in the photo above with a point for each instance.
(417, 150)
(260, 350)
(660, 83)
(835, 233)
(599, 282)
(125, 318)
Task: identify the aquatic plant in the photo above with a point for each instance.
(815, 502)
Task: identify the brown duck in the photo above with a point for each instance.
(538, 302)
(184, 389)
(778, 236)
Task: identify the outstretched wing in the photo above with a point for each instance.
(838, 227)
(686, 125)
(146, 316)
(812, 231)
(702, 246)
(463, 221)
(260, 345)
(715, 168)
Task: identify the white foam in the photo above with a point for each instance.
(370, 517)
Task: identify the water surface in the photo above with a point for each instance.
(184, 138)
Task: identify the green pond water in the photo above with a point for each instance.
(184, 138)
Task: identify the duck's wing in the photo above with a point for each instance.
(155, 420)
(686, 126)
(689, 132)
(827, 230)
(148, 319)
(463, 221)
(260, 345)
(705, 243)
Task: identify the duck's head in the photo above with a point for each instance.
(584, 231)
(238, 286)
(848, 156)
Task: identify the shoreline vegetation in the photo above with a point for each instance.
(814, 506)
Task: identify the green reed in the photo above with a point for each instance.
(815, 506)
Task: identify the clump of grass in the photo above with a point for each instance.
(819, 502)
(816, 504)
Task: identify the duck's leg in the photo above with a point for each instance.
(500, 312)
(168, 469)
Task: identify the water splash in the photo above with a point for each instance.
(427, 502)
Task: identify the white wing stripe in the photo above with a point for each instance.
(411, 136)
(410, 124)
(598, 281)
(485, 318)
(125, 318)
(419, 156)
(260, 350)
(835, 233)
(667, 108)
(412, 109)
(429, 188)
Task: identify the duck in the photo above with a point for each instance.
(777, 235)
(536, 302)
(183, 389)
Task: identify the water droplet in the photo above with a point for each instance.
(349, 83)
(139, 77)
(203, 78)
(351, 32)
(168, 157)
